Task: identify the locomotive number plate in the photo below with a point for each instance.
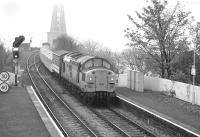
(101, 84)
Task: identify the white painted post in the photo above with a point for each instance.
(193, 72)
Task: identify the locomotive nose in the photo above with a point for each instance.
(104, 80)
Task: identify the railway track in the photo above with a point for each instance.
(158, 123)
(121, 123)
(124, 126)
(114, 131)
(69, 123)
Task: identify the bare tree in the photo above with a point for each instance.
(117, 56)
(161, 33)
(3, 56)
(195, 33)
(95, 49)
(134, 59)
(65, 42)
(90, 47)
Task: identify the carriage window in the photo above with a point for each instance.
(106, 64)
(83, 76)
(63, 66)
(97, 62)
(88, 64)
(70, 67)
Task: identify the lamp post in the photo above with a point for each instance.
(193, 68)
(194, 73)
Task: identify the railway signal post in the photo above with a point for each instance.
(18, 41)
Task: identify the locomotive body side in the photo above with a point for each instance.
(70, 71)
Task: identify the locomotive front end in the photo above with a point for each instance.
(101, 81)
(99, 78)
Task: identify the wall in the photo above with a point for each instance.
(183, 91)
(122, 80)
(133, 80)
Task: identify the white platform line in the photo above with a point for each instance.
(186, 129)
(47, 117)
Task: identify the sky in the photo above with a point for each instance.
(102, 21)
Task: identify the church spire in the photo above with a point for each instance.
(58, 26)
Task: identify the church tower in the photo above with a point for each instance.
(58, 26)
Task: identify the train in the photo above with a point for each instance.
(92, 78)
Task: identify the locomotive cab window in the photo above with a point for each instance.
(97, 62)
(83, 76)
(70, 67)
(106, 64)
(88, 64)
(63, 64)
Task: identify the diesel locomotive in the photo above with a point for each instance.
(93, 78)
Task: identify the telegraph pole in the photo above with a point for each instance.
(18, 41)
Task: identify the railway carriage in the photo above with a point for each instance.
(57, 60)
(46, 56)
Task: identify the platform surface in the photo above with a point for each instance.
(173, 109)
(18, 115)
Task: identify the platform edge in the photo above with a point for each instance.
(30, 91)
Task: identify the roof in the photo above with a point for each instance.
(84, 59)
(77, 57)
(60, 52)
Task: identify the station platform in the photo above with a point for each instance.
(172, 109)
(21, 115)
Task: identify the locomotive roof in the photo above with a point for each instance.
(60, 52)
(84, 59)
(77, 57)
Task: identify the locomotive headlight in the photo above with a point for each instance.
(90, 79)
(111, 78)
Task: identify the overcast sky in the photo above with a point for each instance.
(102, 21)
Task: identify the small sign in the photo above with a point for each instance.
(4, 87)
(4, 76)
(193, 70)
